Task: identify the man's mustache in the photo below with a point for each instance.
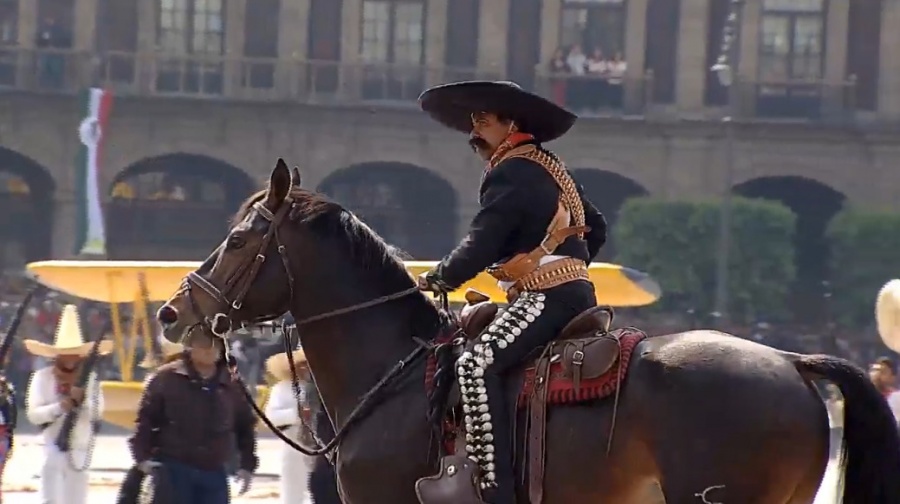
(478, 143)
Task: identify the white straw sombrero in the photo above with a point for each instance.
(69, 340)
(277, 365)
(887, 314)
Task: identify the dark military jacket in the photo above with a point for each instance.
(518, 200)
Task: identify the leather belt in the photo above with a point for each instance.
(552, 274)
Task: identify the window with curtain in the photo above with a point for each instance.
(191, 26)
(792, 39)
(393, 31)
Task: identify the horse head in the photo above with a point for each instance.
(246, 278)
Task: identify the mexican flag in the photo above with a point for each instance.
(91, 236)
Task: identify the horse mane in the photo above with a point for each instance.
(369, 251)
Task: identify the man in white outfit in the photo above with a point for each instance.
(51, 394)
(282, 409)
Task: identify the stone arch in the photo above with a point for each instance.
(412, 207)
(815, 204)
(27, 206)
(608, 191)
(173, 207)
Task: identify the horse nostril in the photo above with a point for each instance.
(167, 315)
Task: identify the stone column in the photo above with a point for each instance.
(635, 41)
(751, 20)
(27, 32)
(690, 79)
(84, 25)
(350, 69)
(492, 36)
(145, 64)
(234, 46)
(551, 12)
(293, 25)
(435, 40)
(889, 73)
(835, 76)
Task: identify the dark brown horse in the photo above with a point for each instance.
(706, 416)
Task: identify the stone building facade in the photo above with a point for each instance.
(815, 102)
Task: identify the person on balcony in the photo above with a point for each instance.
(52, 38)
(598, 89)
(616, 79)
(559, 72)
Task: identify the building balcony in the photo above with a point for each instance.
(263, 79)
(337, 83)
(805, 100)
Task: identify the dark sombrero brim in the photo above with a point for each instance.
(453, 105)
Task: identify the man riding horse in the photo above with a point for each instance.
(535, 233)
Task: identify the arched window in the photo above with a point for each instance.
(172, 207)
(26, 203)
(411, 207)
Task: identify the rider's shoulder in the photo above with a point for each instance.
(174, 367)
(518, 168)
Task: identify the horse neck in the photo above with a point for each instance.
(349, 353)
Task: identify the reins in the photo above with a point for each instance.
(248, 273)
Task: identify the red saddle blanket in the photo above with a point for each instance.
(562, 389)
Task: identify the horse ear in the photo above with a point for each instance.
(295, 176)
(279, 184)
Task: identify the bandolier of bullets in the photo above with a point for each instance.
(557, 170)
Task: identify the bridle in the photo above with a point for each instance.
(238, 285)
(231, 297)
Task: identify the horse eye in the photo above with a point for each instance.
(235, 242)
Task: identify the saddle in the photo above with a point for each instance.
(585, 361)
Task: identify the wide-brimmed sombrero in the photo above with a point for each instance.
(887, 314)
(453, 105)
(68, 341)
(169, 351)
(277, 365)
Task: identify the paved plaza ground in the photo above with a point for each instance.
(112, 459)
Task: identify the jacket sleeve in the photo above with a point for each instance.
(39, 408)
(596, 238)
(281, 408)
(245, 431)
(150, 418)
(490, 229)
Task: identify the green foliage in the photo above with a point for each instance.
(865, 254)
(677, 243)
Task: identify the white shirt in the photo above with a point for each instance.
(617, 71)
(576, 62)
(42, 407)
(893, 401)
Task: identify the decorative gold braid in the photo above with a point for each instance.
(569, 193)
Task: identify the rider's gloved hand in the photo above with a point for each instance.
(431, 282)
(244, 478)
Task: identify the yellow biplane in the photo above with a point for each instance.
(139, 282)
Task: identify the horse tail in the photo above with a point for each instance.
(871, 454)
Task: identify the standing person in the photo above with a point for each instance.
(132, 489)
(51, 395)
(535, 233)
(883, 374)
(282, 409)
(8, 412)
(190, 411)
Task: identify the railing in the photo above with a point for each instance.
(590, 95)
(799, 99)
(53, 70)
(331, 82)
